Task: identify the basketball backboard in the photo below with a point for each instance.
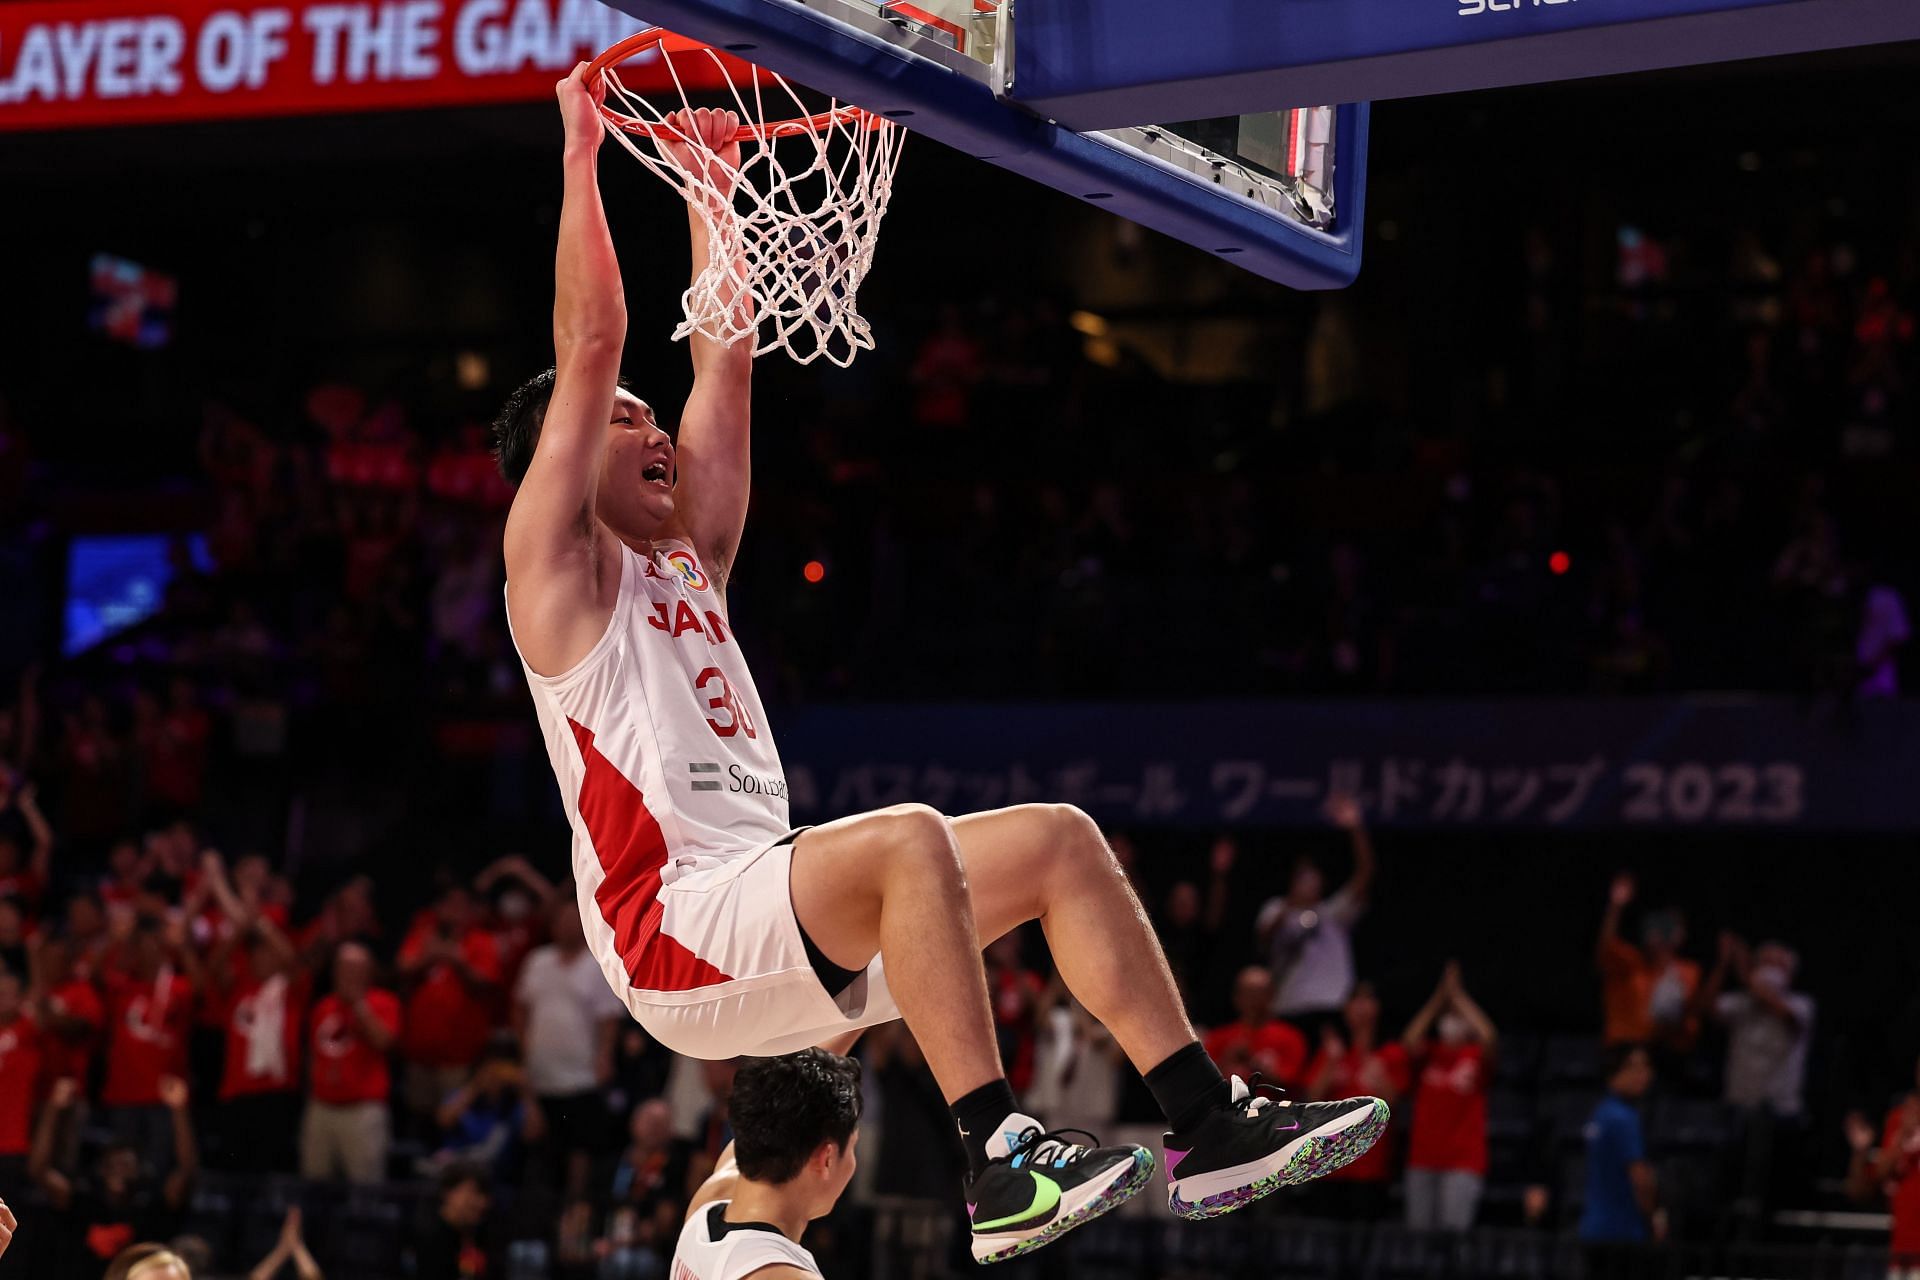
(1279, 193)
(1143, 108)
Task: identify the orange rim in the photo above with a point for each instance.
(652, 36)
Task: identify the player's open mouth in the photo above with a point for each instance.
(656, 473)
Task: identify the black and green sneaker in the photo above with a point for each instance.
(1038, 1186)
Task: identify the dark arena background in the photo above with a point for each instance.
(1550, 590)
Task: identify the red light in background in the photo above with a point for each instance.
(1559, 562)
(814, 571)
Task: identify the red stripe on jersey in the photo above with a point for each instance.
(627, 840)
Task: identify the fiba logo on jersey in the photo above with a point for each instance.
(683, 563)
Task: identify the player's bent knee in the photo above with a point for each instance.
(1075, 835)
(918, 824)
(1081, 856)
(920, 842)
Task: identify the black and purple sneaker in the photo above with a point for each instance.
(1260, 1143)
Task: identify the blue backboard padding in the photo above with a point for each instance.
(817, 50)
(1099, 64)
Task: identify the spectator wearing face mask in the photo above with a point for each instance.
(1451, 1040)
(520, 899)
(1648, 991)
(1768, 1026)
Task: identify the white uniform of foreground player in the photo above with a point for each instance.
(725, 933)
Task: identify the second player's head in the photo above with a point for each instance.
(635, 497)
(796, 1124)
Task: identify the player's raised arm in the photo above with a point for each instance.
(712, 450)
(551, 532)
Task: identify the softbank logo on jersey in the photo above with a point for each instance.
(1468, 8)
(755, 784)
(705, 777)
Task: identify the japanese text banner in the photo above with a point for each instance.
(1626, 763)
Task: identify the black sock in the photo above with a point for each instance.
(1187, 1086)
(979, 1115)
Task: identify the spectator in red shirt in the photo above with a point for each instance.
(1890, 1169)
(23, 863)
(522, 899)
(346, 1130)
(452, 969)
(945, 370)
(347, 914)
(1452, 1039)
(223, 904)
(1256, 1040)
(128, 867)
(149, 1014)
(214, 915)
(14, 939)
(176, 749)
(71, 1018)
(86, 933)
(20, 1055)
(91, 759)
(70, 1012)
(1357, 1063)
(263, 1005)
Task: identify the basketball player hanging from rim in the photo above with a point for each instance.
(726, 931)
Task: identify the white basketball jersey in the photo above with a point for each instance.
(662, 751)
(711, 1248)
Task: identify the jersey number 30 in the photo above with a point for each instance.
(724, 712)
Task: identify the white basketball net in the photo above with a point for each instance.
(796, 232)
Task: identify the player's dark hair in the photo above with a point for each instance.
(784, 1108)
(517, 428)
